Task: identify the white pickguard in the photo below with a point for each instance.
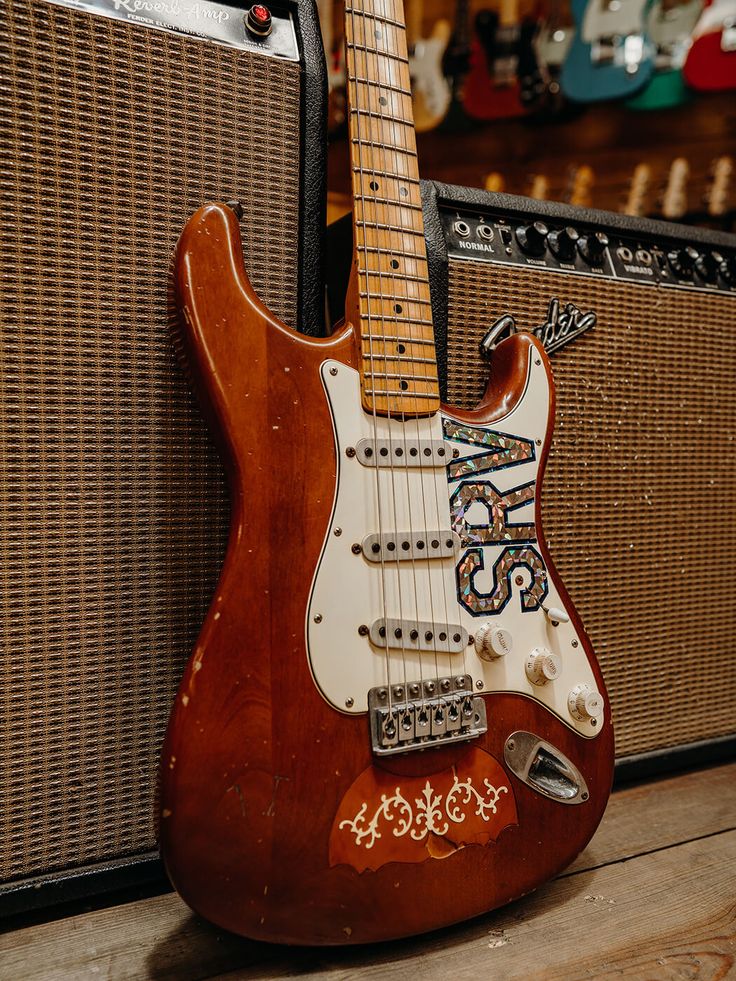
(619, 18)
(348, 590)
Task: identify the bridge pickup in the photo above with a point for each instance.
(413, 635)
(404, 452)
(397, 547)
(425, 713)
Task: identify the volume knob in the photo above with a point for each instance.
(707, 265)
(532, 238)
(682, 261)
(727, 270)
(543, 666)
(593, 248)
(562, 243)
(492, 642)
(584, 703)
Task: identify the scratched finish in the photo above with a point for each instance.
(256, 763)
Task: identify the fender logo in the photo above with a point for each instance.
(563, 326)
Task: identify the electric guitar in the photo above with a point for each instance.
(710, 65)
(393, 718)
(611, 55)
(430, 90)
(640, 187)
(669, 24)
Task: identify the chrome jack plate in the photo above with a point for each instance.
(541, 766)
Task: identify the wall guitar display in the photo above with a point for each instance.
(643, 462)
(113, 505)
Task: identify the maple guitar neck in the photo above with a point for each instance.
(390, 306)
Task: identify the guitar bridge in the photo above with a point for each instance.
(421, 714)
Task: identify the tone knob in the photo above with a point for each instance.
(707, 266)
(543, 666)
(593, 248)
(532, 238)
(492, 642)
(584, 703)
(728, 270)
(682, 261)
(562, 243)
(258, 20)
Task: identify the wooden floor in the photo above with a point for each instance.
(653, 896)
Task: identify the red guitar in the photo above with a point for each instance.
(393, 718)
(501, 54)
(710, 65)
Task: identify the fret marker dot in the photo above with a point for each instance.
(383, 100)
(394, 263)
(401, 348)
(403, 192)
(373, 185)
(398, 308)
(404, 385)
(378, 35)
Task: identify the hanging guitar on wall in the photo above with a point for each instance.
(393, 719)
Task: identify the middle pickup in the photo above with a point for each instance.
(397, 547)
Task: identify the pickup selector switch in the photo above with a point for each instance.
(562, 243)
(682, 261)
(543, 666)
(593, 247)
(584, 703)
(532, 238)
(492, 642)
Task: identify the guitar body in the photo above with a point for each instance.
(431, 93)
(278, 821)
(585, 76)
(708, 67)
(670, 31)
(493, 87)
(666, 90)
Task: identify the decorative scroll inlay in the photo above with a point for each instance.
(385, 817)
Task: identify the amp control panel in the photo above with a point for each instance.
(577, 248)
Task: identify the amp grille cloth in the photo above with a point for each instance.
(113, 508)
(638, 499)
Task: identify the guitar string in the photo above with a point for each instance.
(366, 50)
(426, 524)
(348, 59)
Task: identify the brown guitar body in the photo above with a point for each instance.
(257, 765)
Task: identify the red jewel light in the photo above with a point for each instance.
(260, 13)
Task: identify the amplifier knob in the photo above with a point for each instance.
(728, 270)
(682, 261)
(492, 641)
(258, 20)
(707, 265)
(593, 248)
(532, 238)
(563, 242)
(584, 703)
(543, 666)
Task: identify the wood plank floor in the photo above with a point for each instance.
(652, 897)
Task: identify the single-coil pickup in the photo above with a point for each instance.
(404, 452)
(423, 713)
(411, 635)
(417, 545)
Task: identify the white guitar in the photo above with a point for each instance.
(430, 90)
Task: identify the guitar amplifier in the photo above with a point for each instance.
(118, 121)
(639, 494)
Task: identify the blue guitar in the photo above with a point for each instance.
(611, 55)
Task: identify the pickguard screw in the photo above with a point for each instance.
(349, 702)
(519, 580)
(356, 549)
(350, 451)
(318, 618)
(363, 629)
(538, 442)
(536, 361)
(455, 454)
(333, 371)
(338, 532)
(479, 684)
(471, 640)
(574, 643)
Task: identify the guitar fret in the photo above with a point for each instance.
(390, 228)
(380, 17)
(371, 144)
(398, 339)
(398, 357)
(401, 394)
(402, 203)
(358, 79)
(398, 320)
(376, 51)
(385, 173)
(402, 376)
(363, 295)
(390, 272)
(384, 117)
